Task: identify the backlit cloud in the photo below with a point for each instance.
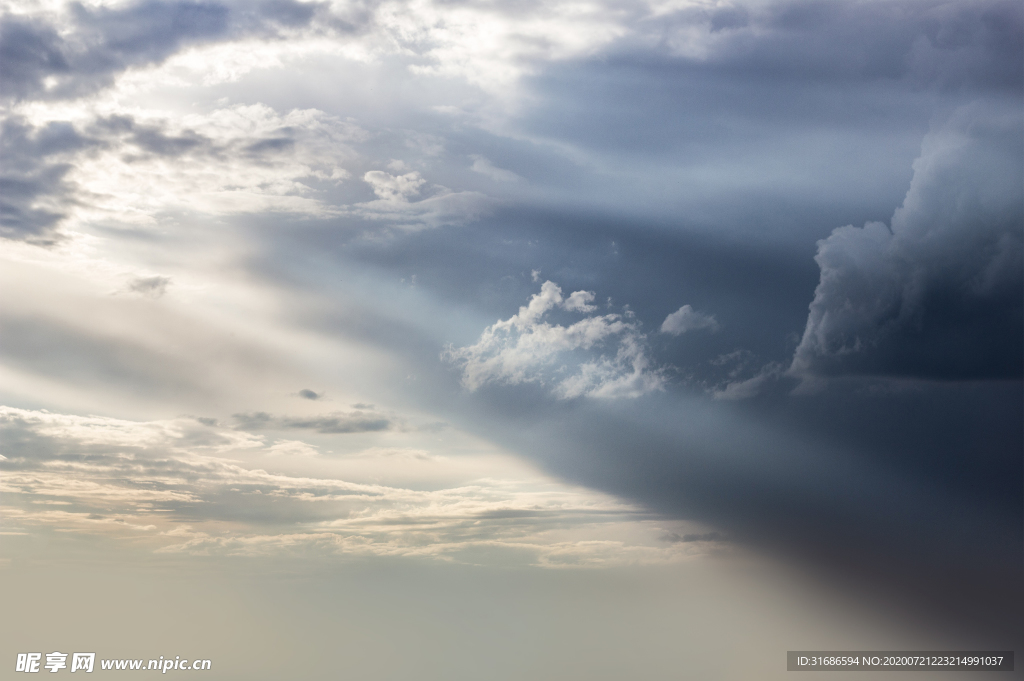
(605, 353)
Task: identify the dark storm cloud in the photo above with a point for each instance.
(820, 108)
(902, 485)
(103, 41)
(915, 492)
(358, 421)
(938, 293)
(912, 486)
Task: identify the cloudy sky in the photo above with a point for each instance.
(486, 339)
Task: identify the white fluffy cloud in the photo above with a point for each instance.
(525, 348)
(687, 319)
(937, 292)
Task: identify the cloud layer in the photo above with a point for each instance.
(183, 487)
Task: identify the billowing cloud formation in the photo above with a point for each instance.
(938, 294)
(687, 319)
(524, 349)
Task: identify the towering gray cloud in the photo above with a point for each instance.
(938, 292)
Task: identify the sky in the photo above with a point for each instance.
(493, 340)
